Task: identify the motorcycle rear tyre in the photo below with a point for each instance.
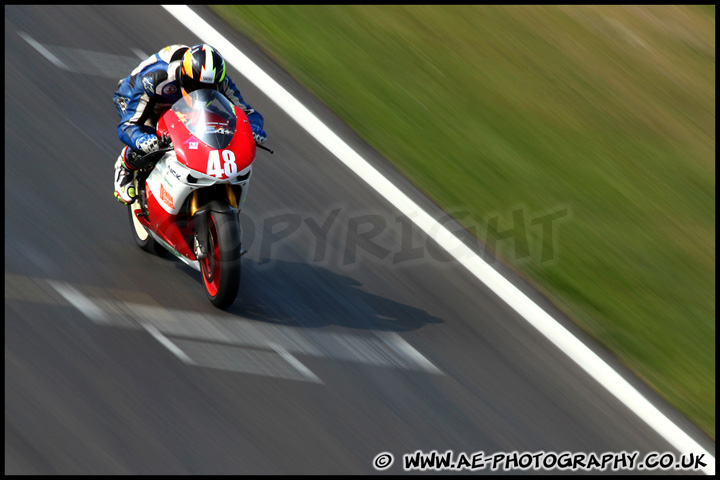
(143, 239)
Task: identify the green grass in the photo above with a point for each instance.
(607, 111)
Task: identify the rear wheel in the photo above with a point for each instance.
(143, 239)
(141, 235)
(221, 267)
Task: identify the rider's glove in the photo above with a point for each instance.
(165, 141)
(259, 134)
(147, 143)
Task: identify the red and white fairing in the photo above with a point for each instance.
(213, 146)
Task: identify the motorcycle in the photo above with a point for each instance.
(191, 191)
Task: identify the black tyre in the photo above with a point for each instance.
(142, 238)
(221, 268)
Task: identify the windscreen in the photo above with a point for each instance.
(208, 115)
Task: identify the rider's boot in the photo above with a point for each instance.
(124, 186)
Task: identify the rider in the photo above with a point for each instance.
(153, 87)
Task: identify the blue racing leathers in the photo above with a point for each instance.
(153, 87)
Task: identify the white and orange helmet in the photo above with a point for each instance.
(202, 67)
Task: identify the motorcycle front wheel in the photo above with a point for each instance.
(221, 268)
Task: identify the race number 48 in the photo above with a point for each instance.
(216, 168)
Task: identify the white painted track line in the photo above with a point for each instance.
(167, 343)
(531, 312)
(43, 51)
(79, 301)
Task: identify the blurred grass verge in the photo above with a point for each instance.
(606, 111)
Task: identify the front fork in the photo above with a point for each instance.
(199, 217)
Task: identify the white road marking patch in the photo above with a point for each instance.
(43, 51)
(78, 60)
(516, 299)
(142, 55)
(79, 301)
(167, 343)
(230, 343)
(295, 363)
(266, 363)
(398, 343)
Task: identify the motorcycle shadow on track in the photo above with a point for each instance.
(311, 296)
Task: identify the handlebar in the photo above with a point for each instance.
(143, 161)
(264, 148)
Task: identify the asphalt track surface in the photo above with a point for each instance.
(336, 350)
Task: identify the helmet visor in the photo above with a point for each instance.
(191, 84)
